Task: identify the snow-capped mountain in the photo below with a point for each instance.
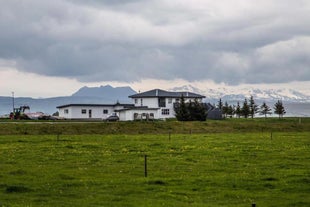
(237, 93)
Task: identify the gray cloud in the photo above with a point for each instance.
(233, 42)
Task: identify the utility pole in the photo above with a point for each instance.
(13, 101)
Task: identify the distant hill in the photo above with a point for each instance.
(92, 95)
(105, 91)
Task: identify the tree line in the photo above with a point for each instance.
(249, 108)
(197, 111)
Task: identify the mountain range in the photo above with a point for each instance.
(109, 95)
(108, 92)
(234, 94)
(85, 95)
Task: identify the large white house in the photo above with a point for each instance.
(153, 104)
(156, 103)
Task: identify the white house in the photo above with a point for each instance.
(149, 105)
(156, 103)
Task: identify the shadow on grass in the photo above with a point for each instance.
(17, 189)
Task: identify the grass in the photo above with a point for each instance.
(235, 168)
(8, 127)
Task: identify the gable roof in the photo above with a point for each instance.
(167, 94)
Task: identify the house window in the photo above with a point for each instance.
(170, 100)
(105, 111)
(141, 102)
(165, 111)
(83, 111)
(177, 100)
(136, 101)
(66, 111)
(161, 102)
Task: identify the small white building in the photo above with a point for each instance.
(149, 105)
(90, 111)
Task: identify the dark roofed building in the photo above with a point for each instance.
(167, 94)
(213, 112)
(153, 104)
(163, 100)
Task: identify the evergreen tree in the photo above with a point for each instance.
(181, 111)
(253, 107)
(220, 104)
(238, 110)
(245, 109)
(279, 109)
(198, 111)
(191, 111)
(225, 109)
(231, 110)
(265, 109)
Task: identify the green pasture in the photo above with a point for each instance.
(78, 127)
(237, 167)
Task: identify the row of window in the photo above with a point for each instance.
(84, 111)
(165, 111)
(161, 100)
(105, 111)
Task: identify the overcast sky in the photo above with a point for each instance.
(61, 45)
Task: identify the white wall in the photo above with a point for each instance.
(63, 114)
(128, 115)
(153, 103)
(75, 112)
(149, 102)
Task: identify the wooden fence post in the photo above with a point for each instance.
(145, 165)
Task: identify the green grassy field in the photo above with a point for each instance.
(238, 167)
(9, 127)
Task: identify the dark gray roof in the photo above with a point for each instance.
(97, 105)
(167, 94)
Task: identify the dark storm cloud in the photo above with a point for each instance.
(233, 42)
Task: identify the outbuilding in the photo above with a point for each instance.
(90, 111)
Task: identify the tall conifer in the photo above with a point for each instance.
(279, 109)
